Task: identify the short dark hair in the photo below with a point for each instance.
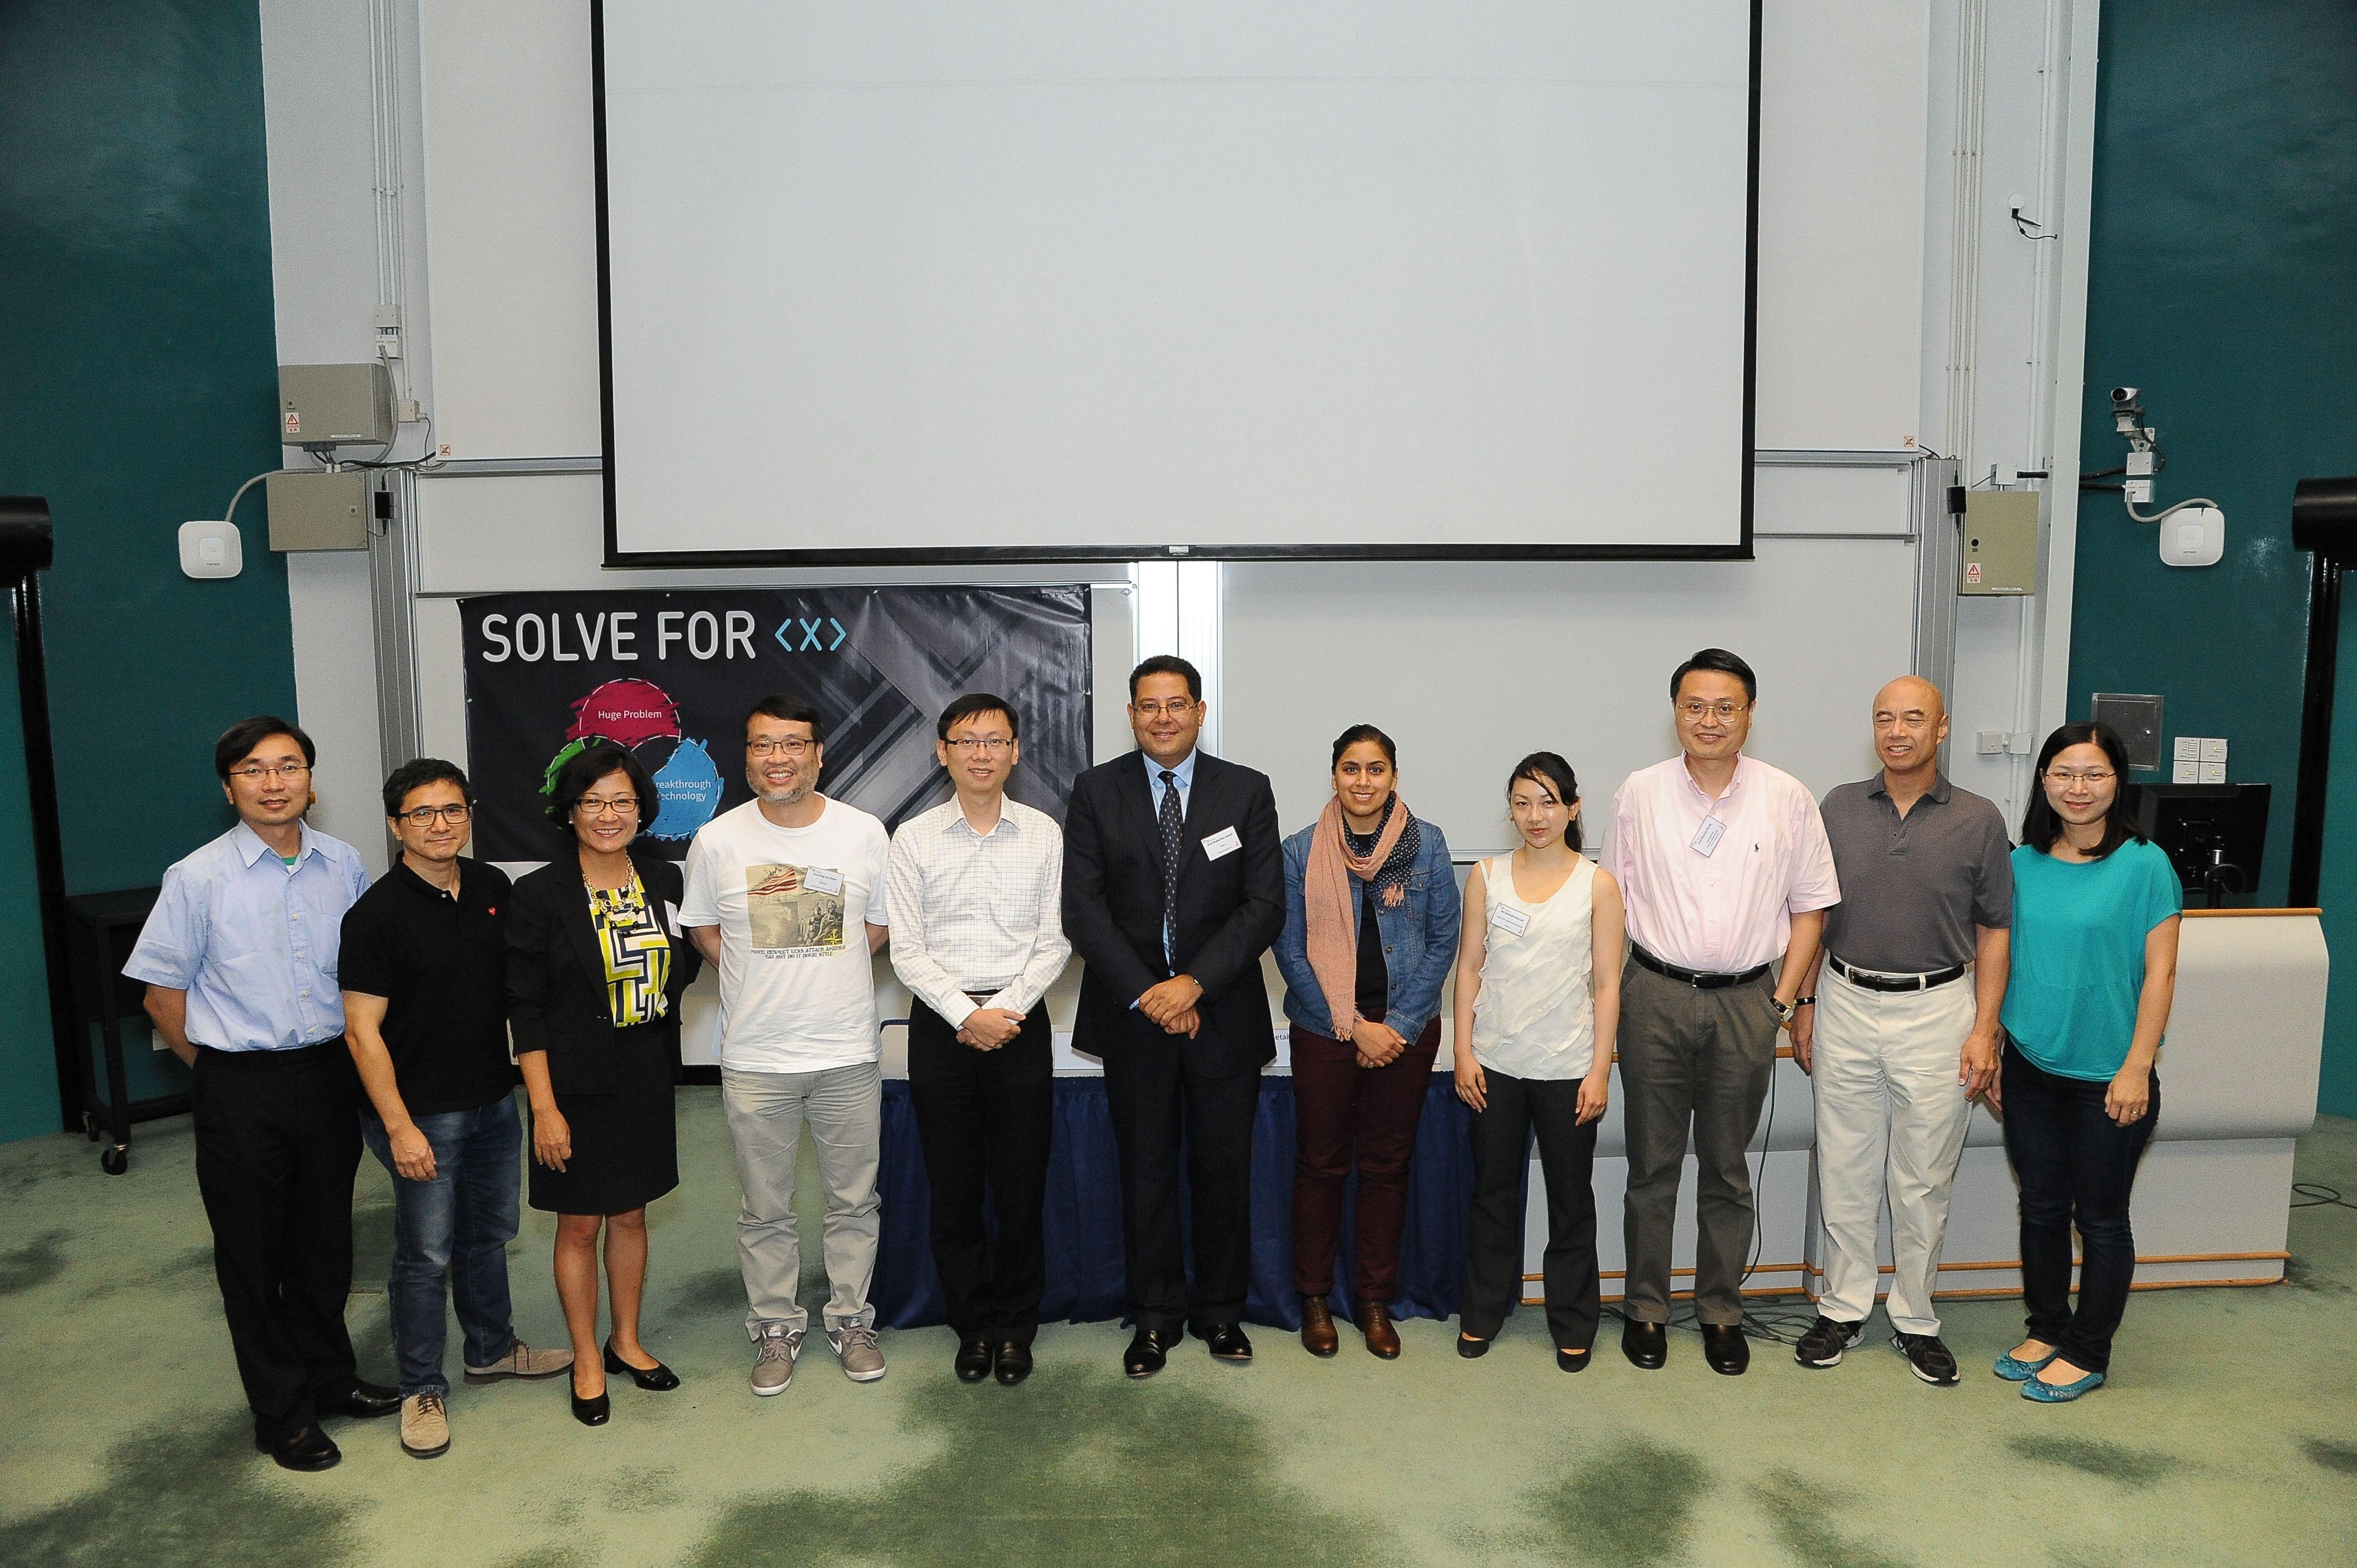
(789, 708)
(1719, 661)
(1550, 773)
(973, 703)
(584, 768)
(2041, 825)
(1168, 664)
(237, 742)
(417, 775)
(1357, 733)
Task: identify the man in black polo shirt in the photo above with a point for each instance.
(423, 972)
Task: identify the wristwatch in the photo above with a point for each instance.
(1784, 1013)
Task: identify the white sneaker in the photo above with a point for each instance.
(774, 1360)
(856, 1348)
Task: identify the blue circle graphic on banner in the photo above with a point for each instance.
(689, 784)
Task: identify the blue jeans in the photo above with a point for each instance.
(457, 1226)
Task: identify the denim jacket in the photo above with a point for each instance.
(1419, 938)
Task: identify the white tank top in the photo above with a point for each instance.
(1534, 1016)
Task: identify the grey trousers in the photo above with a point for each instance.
(1700, 1060)
(845, 1107)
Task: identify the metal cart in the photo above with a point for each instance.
(101, 930)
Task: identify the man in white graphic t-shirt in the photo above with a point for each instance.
(774, 890)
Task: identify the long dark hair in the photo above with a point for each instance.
(2041, 825)
(1553, 774)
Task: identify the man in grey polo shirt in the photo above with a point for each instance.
(1900, 1027)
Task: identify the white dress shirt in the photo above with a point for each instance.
(978, 912)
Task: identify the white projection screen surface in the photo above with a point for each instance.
(1264, 278)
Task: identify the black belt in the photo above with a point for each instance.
(1701, 980)
(1868, 979)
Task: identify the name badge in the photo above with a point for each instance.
(1706, 837)
(1224, 841)
(670, 917)
(819, 879)
(1509, 919)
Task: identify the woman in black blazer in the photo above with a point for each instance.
(596, 965)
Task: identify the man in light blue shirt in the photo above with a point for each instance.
(239, 958)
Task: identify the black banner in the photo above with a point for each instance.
(671, 675)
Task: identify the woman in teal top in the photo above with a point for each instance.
(2094, 966)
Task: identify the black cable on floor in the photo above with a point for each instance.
(2316, 1195)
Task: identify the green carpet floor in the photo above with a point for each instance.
(2228, 1436)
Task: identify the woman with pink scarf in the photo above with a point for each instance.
(1370, 934)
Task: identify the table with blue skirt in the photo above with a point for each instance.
(1083, 1212)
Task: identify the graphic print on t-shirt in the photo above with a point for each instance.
(787, 914)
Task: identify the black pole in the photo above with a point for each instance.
(26, 547)
(2323, 519)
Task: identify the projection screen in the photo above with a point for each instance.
(897, 282)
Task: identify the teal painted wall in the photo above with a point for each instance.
(2222, 280)
(137, 390)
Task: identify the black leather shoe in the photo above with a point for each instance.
(1646, 1345)
(308, 1448)
(1726, 1348)
(1013, 1363)
(657, 1379)
(365, 1401)
(1145, 1354)
(1572, 1360)
(972, 1361)
(593, 1412)
(1472, 1350)
(1228, 1343)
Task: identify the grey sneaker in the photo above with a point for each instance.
(856, 1348)
(774, 1359)
(425, 1425)
(521, 1361)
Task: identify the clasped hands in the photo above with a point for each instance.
(1377, 1044)
(1171, 1004)
(987, 1028)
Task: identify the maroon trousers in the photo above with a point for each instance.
(1336, 1103)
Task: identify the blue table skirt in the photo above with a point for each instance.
(1083, 1212)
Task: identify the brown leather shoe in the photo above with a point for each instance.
(1376, 1322)
(1318, 1335)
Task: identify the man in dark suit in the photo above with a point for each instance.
(1174, 886)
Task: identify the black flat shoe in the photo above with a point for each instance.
(366, 1401)
(1572, 1360)
(1013, 1363)
(1726, 1348)
(308, 1448)
(657, 1379)
(1647, 1345)
(593, 1412)
(1145, 1354)
(1472, 1350)
(1227, 1342)
(972, 1363)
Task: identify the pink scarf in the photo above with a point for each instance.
(1329, 907)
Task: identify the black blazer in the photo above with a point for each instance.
(556, 977)
(1229, 909)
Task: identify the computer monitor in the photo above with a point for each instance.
(2215, 834)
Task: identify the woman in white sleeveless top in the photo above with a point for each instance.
(1538, 1004)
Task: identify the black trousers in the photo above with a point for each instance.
(983, 1120)
(1157, 1091)
(278, 1139)
(1494, 1232)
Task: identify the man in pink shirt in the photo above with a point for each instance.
(1725, 869)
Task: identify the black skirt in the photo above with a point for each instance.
(625, 1143)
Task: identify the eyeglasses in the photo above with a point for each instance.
(621, 806)
(1177, 708)
(989, 745)
(455, 815)
(2091, 775)
(792, 745)
(253, 771)
(1696, 712)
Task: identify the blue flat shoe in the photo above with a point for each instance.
(2015, 1370)
(2061, 1393)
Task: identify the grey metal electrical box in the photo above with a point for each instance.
(319, 511)
(331, 405)
(2000, 542)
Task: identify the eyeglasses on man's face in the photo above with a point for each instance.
(1694, 710)
(255, 772)
(1176, 707)
(986, 745)
(598, 806)
(767, 745)
(422, 817)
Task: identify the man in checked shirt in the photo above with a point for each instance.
(975, 887)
